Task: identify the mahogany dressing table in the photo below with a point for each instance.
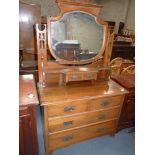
(78, 98)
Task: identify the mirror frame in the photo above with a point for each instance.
(91, 9)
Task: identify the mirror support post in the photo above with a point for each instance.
(42, 53)
(109, 46)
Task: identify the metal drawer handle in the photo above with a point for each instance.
(103, 116)
(67, 138)
(68, 123)
(69, 108)
(101, 129)
(105, 103)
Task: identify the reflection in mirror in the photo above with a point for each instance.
(76, 36)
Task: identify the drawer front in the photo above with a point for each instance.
(105, 102)
(62, 123)
(70, 137)
(83, 105)
(75, 77)
(67, 108)
(90, 76)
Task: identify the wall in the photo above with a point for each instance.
(113, 10)
(130, 20)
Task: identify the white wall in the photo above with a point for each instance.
(130, 20)
(119, 11)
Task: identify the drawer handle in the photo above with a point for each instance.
(67, 138)
(101, 129)
(74, 77)
(103, 116)
(105, 103)
(68, 123)
(69, 108)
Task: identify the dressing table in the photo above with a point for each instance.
(78, 98)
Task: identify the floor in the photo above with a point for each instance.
(123, 143)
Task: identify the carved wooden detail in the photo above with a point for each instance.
(42, 52)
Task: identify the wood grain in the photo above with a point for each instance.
(71, 121)
(70, 137)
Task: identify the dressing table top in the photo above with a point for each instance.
(79, 91)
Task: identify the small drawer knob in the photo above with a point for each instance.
(67, 138)
(105, 103)
(103, 116)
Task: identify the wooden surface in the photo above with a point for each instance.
(29, 14)
(27, 90)
(79, 90)
(28, 144)
(70, 137)
(84, 106)
(127, 117)
(79, 111)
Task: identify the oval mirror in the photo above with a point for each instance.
(76, 37)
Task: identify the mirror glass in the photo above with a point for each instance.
(76, 36)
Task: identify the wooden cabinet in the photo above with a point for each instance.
(28, 144)
(124, 51)
(80, 111)
(127, 117)
(29, 15)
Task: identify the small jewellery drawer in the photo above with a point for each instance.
(75, 77)
(105, 102)
(67, 108)
(69, 137)
(66, 122)
(90, 76)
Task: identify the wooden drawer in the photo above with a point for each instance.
(75, 77)
(83, 105)
(71, 121)
(69, 137)
(90, 76)
(67, 108)
(105, 102)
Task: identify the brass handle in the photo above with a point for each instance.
(103, 116)
(101, 129)
(105, 103)
(67, 138)
(69, 108)
(68, 123)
